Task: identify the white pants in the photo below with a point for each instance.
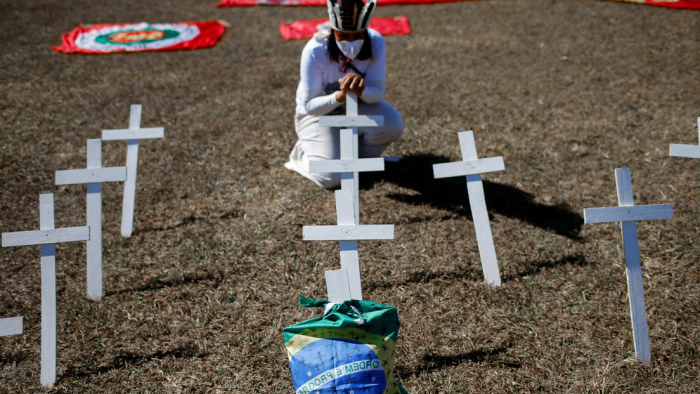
(323, 143)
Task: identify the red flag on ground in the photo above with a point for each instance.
(137, 37)
(687, 4)
(317, 3)
(397, 25)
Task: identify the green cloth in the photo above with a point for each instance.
(351, 347)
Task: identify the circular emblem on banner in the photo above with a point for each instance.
(324, 27)
(136, 37)
(325, 365)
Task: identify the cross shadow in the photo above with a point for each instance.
(432, 362)
(215, 276)
(536, 266)
(193, 218)
(14, 358)
(473, 273)
(127, 358)
(462, 272)
(415, 172)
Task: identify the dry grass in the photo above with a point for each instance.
(197, 298)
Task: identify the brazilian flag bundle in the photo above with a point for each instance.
(351, 349)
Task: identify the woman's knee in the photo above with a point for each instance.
(391, 130)
(393, 121)
(382, 136)
(385, 136)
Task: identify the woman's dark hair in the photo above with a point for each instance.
(334, 51)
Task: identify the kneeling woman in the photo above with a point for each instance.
(349, 59)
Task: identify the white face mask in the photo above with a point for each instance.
(351, 49)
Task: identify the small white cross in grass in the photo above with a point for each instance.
(350, 165)
(472, 167)
(628, 214)
(47, 237)
(345, 283)
(133, 134)
(94, 175)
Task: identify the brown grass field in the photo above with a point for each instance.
(196, 299)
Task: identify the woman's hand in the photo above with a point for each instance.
(350, 83)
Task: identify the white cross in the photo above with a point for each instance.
(689, 151)
(94, 175)
(11, 326)
(629, 214)
(472, 167)
(47, 237)
(133, 134)
(345, 283)
(349, 165)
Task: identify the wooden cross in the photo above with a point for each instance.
(350, 165)
(472, 167)
(47, 237)
(133, 134)
(629, 214)
(94, 175)
(689, 151)
(345, 283)
(11, 326)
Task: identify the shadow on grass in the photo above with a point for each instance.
(461, 272)
(537, 266)
(193, 218)
(415, 172)
(127, 358)
(215, 276)
(14, 358)
(432, 362)
(474, 273)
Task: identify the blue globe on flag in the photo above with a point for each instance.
(337, 366)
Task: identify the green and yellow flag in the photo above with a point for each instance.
(351, 349)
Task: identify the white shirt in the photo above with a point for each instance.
(318, 71)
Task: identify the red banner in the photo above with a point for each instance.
(307, 28)
(138, 37)
(317, 3)
(687, 4)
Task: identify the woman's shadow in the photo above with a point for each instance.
(415, 172)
